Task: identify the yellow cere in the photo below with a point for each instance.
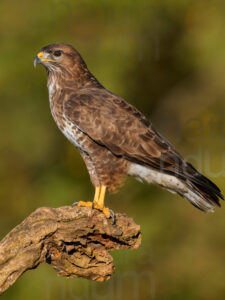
(41, 56)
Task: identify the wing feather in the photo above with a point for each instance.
(112, 122)
(115, 124)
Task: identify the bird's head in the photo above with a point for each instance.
(56, 57)
(65, 61)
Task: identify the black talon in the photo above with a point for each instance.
(112, 215)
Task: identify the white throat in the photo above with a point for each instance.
(52, 87)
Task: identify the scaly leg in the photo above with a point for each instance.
(97, 193)
(98, 201)
(89, 203)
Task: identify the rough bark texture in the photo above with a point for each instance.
(74, 240)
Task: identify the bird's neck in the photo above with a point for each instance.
(62, 84)
(74, 79)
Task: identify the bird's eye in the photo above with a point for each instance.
(57, 53)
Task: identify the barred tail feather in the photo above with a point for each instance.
(196, 199)
(191, 185)
(202, 192)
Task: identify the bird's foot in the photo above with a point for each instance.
(85, 204)
(106, 211)
(82, 203)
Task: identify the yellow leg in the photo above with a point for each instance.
(97, 193)
(98, 201)
(89, 203)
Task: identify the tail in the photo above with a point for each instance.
(187, 182)
(202, 192)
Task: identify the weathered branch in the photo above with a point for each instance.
(74, 240)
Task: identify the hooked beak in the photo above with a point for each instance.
(40, 58)
(36, 61)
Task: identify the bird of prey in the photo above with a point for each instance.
(113, 137)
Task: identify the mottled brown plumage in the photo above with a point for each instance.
(113, 137)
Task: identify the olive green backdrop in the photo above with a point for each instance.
(168, 59)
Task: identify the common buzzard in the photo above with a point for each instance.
(113, 137)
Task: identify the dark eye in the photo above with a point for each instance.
(57, 53)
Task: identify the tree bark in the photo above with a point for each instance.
(74, 240)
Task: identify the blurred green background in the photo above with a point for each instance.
(168, 59)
